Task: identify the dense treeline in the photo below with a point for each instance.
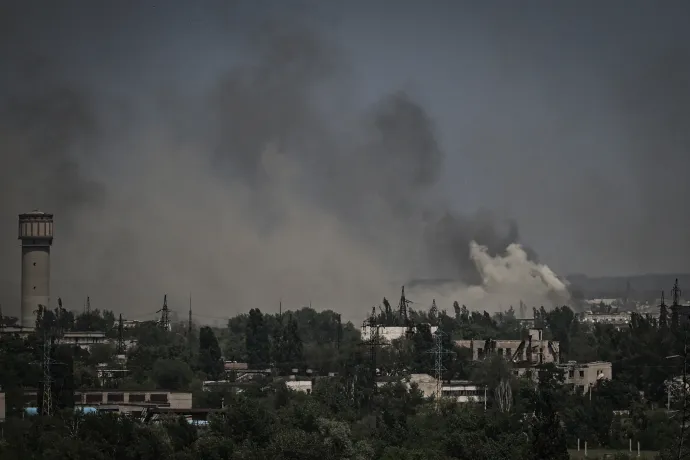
(391, 423)
(338, 421)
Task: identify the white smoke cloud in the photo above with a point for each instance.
(507, 279)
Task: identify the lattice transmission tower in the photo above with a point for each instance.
(439, 352)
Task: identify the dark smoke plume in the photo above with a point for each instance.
(253, 190)
(208, 148)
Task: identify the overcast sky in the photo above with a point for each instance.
(152, 129)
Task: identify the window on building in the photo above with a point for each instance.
(500, 352)
(582, 374)
(116, 397)
(159, 398)
(509, 352)
(571, 374)
(136, 397)
(94, 398)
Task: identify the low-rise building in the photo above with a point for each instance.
(82, 339)
(532, 350)
(131, 401)
(86, 339)
(124, 401)
(108, 375)
(615, 319)
(301, 385)
(585, 375)
(389, 333)
(235, 366)
(461, 391)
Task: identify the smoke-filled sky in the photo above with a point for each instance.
(312, 151)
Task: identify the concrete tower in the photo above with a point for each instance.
(36, 233)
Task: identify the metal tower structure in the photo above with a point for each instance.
(47, 399)
(49, 331)
(402, 308)
(372, 342)
(165, 314)
(676, 293)
(438, 351)
(36, 235)
(433, 311)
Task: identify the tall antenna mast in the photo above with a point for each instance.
(433, 311)
(402, 307)
(676, 293)
(88, 304)
(165, 317)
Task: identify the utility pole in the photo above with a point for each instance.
(189, 325)
(120, 337)
(685, 388)
(339, 332)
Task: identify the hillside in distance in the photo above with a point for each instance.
(638, 287)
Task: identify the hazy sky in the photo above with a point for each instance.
(247, 151)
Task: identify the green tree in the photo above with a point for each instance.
(210, 361)
(548, 436)
(257, 340)
(171, 374)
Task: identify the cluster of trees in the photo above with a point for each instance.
(390, 423)
(332, 423)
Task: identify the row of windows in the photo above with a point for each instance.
(161, 398)
(508, 351)
(473, 393)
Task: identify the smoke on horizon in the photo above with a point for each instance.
(226, 152)
(505, 280)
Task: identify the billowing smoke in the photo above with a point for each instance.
(205, 148)
(243, 191)
(506, 280)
